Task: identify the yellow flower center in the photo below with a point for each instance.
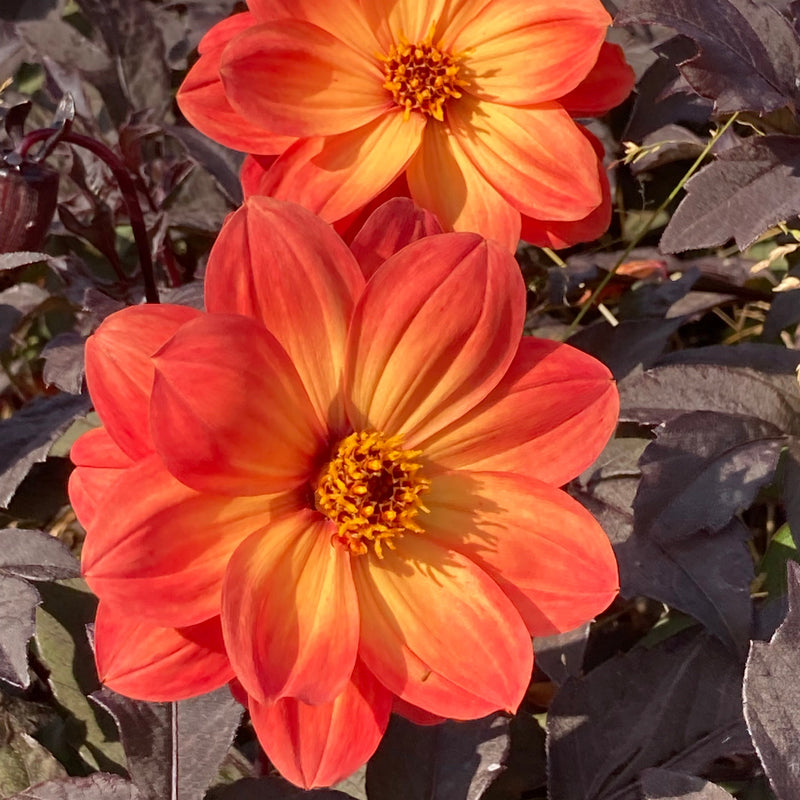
(422, 76)
(371, 489)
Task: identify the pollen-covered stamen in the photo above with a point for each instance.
(372, 490)
(422, 76)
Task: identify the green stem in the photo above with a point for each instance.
(646, 227)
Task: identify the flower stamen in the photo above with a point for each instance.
(422, 76)
(372, 490)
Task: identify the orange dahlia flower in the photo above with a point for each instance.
(466, 105)
(339, 485)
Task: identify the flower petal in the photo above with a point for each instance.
(521, 52)
(119, 372)
(438, 631)
(98, 463)
(433, 334)
(158, 550)
(549, 418)
(544, 549)
(535, 157)
(558, 234)
(322, 744)
(159, 664)
(605, 87)
(254, 168)
(390, 228)
(229, 413)
(441, 177)
(289, 612)
(336, 175)
(280, 264)
(344, 19)
(411, 19)
(203, 102)
(296, 79)
(416, 715)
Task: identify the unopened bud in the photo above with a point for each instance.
(28, 194)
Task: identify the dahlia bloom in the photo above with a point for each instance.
(466, 105)
(339, 484)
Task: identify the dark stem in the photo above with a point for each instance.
(127, 187)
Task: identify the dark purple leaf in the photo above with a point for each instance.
(561, 655)
(772, 359)
(749, 54)
(746, 190)
(99, 786)
(190, 294)
(276, 789)
(64, 362)
(665, 145)
(625, 346)
(525, 768)
(698, 456)
(18, 601)
(664, 784)
(665, 392)
(20, 259)
(450, 761)
(791, 484)
(784, 312)
(36, 555)
(28, 436)
(772, 698)
(174, 749)
(648, 708)
(704, 576)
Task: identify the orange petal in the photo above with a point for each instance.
(296, 79)
(550, 233)
(98, 463)
(202, 99)
(544, 549)
(549, 418)
(535, 157)
(280, 264)
(119, 372)
(159, 664)
(336, 175)
(416, 715)
(254, 168)
(433, 334)
(344, 19)
(521, 52)
(289, 612)
(438, 632)
(230, 414)
(390, 228)
(322, 744)
(442, 178)
(158, 550)
(411, 19)
(605, 87)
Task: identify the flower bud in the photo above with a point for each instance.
(28, 194)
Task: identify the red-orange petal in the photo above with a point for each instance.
(437, 631)
(202, 100)
(433, 334)
(605, 87)
(535, 156)
(444, 179)
(119, 372)
(280, 264)
(254, 168)
(558, 234)
(229, 413)
(158, 550)
(98, 463)
(289, 612)
(522, 52)
(321, 744)
(390, 228)
(416, 715)
(337, 175)
(294, 78)
(155, 664)
(549, 418)
(544, 549)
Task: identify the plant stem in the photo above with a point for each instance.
(127, 187)
(646, 227)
